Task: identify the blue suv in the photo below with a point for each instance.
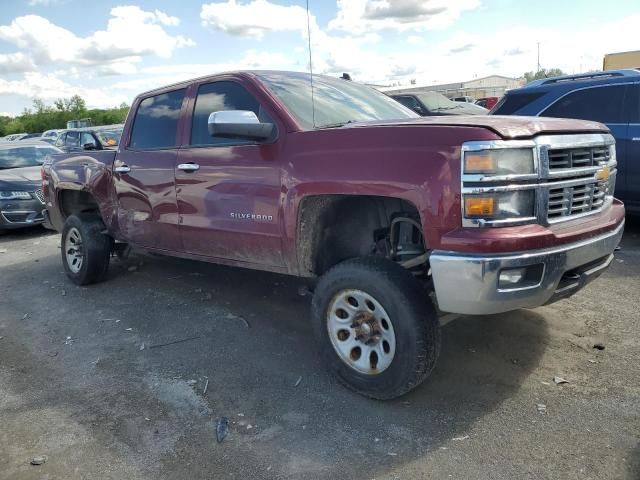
(611, 97)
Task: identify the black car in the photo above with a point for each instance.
(21, 199)
(90, 138)
(434, 104)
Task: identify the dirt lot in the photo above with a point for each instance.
(89, 378)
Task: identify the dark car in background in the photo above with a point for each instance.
(91, 138)
(611, 97)
(434, 104)
(21, 199)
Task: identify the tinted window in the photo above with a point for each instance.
(410, 102)
(87, 138)
(156, 122)
(513, 102)
(72, 139)
(602, 104)
(214, 97)
(633, 103)
(24, 156)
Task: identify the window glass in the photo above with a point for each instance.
(86, 138)
(602, 104)
(217, 96)
(410, 102)
(511, 103)
(109, 138)
(156, 122)
(335, 101)
(633, 103)
(72, 139)
(60, 140)
(24, 156)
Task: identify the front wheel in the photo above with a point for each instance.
(85, 249)
(378, 331)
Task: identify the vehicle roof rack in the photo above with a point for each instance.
(586, 76)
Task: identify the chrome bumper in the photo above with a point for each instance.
(469, 284)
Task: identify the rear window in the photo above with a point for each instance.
(601, 104)
(24, 156)
(511, 103)
(155, 125)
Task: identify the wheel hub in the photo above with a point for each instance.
(361, 332)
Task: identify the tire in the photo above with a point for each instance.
(83, 240)
(412, 330)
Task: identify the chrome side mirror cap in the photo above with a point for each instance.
(241, 124)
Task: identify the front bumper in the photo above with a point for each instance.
(21, 213)
(469, 284)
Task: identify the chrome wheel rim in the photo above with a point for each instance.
(74, 250)
(361, 332)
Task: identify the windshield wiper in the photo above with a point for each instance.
(335, 125)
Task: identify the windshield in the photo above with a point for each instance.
(109, 138)
(337, 102)
(28, 156)
(435, 101)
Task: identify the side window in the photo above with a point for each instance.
(409, 102)
(602, 104)
(155, 125)
(87, 138)
(633, 103)
(72, 139)
(60, 140)
(217, 96)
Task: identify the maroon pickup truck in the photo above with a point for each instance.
(393, 214)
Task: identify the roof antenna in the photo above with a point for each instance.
(313, 105)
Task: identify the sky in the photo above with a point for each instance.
(109, 51)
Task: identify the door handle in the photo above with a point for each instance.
(635, 139)
(122, 169)
(188, 167)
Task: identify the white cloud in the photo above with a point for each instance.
(15, 62)
(358, 16)
(131, 33)
(253, 19)
(45, 3)
(50, 86)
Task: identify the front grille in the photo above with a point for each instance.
(575, 200)
(39, 195)
(563, 158)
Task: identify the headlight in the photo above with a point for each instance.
(499, 161)
(518, 204)
(6, 195)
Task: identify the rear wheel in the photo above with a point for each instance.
(85, 249)
(378, 331)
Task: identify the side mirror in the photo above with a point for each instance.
(89, 146)
(243, 124)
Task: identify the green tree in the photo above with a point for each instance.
(543, 73)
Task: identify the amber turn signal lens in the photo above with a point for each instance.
(479, 206)
(481, 162)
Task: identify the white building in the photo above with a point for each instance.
(492, 86)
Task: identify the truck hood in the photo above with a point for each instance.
(504, 125)
(25, 178)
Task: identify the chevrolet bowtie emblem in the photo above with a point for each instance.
(603, 174)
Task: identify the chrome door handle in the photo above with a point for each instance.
(635, 139)
(188, 167)
(122, 169)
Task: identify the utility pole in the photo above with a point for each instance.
(538, 58)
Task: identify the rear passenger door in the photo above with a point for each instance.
(229, 202)
(632, 193)
(605, 104)
(144, 173)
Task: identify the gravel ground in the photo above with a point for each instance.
(109, 381)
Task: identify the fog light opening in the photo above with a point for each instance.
(521, 277)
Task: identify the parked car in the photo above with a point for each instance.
(13, 137)
(92, 138)
(612, 98)
(351, 190)
(81, 123)
(464, 99)
(434, 104)
(21, 198)
(31, 136)
(51, 135)
(487, 102)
